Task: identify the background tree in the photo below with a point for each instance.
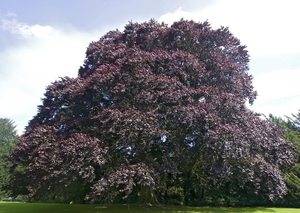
(8, 139)
(156, 113)
(291, 130)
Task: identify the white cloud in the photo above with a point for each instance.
(171, 17)
(45, 54)
(278, 92)
(266, 27)
(27, 31)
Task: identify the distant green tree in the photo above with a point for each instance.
(8, 139)
(291, 130)
(295, 121)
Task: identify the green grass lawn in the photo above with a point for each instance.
(9, 207)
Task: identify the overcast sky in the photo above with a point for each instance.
(42, 40)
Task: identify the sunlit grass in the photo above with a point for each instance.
(14, 207)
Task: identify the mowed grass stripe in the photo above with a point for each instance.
(9, 207)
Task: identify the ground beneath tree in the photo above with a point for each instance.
(77, 208)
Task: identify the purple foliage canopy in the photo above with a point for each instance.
(152, 106)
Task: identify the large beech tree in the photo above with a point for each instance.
(157, 113)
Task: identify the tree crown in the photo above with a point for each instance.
(155, 108)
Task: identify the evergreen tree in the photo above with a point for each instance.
(8, 139)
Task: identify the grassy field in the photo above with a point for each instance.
(7, 207)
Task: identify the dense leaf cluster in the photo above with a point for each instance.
(157, 113)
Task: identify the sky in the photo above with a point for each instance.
(42, 40)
